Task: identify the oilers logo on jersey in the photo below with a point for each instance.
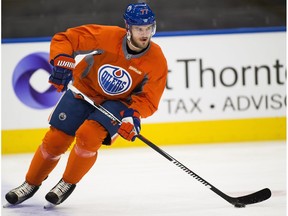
(114, 80)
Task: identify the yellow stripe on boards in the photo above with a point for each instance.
(21, 141)
(237, 130)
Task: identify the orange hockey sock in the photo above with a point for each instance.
(55, 143)
(89, 138)
(40, 167)
(78, 166)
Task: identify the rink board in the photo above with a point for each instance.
(221, 87)
(240, 130)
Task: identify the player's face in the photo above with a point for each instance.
(141, 35)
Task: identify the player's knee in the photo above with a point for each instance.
(56, 142)
(90, 135)
(83, 152)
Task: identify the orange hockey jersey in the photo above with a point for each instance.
(109, 72)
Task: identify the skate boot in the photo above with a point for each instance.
(21, 193)
(60, 192)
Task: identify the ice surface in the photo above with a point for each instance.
(139, 181)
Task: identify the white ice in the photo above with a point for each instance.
(139, 181)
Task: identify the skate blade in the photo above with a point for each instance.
(8, 205)
(49, 206)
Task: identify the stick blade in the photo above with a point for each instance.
(256, 197)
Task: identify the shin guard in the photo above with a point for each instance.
(47, 155)
(89, 138)
(40, 167)
(78, 166)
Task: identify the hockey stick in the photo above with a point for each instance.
(238, 202)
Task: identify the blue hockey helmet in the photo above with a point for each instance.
(139, 14)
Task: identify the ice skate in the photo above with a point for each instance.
(59, 193)
(20, 194)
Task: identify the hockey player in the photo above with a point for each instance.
(123, 70)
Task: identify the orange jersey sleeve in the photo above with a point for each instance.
(109, 72)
